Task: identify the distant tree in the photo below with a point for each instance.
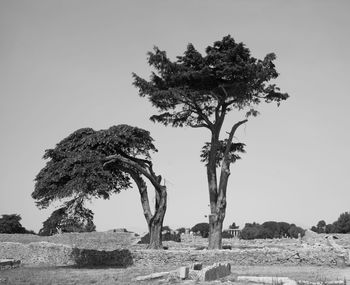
(271, 230)
(321, 227)
(251, 231)
(202, 228)
(330, 228)
(10, 224)
(181, 230)
(342, 225)
(95, 164)
(199, 91)
(72, 217)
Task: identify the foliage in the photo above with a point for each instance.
(181, 230)
(341, 225)
(202, 228)
(10, 224)
(187, 91)
(72, 217)
(270, 230)
(75, 165)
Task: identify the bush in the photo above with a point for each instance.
(340, 226)
(270, 230)
(202, 228)
(10, 224)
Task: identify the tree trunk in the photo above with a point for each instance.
(215, 232)
(155, 235)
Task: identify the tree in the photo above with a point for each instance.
(72, 217)
(199, 91)
(202, 228)
(95, 164)
(342, 225)
(321, 227)
(10, 224)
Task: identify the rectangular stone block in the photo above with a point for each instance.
(215, 272)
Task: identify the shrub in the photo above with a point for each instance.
(270, 230)
(10, 224)
(202, 228)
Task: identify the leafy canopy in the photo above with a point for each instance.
(75, 165)
(198, 90)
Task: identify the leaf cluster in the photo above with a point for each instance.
(233, 155)
(196, 88)
(75, 166)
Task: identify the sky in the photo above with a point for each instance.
(66, 65)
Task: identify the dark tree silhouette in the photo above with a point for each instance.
(11, 224)
(72, 217)
(90, 164)
(199, 91)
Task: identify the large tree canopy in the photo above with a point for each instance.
(198, 91)
(90, 164)
(75, 166)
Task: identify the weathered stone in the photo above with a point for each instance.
(9, 263)
(183, 272)
(197, 266)
(152, 276)
(267, 280)
(215, 272)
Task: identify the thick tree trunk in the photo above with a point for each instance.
(215, 232)
(217, 193)
(156, 223)
(155, 235)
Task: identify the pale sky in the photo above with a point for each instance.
(65, 65)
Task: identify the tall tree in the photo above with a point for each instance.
(97, 164)
(199, 91)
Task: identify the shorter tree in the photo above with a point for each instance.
(10, 224)
(202, 228)
(72, 217)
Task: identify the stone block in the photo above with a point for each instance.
(9, 263)
(183, 272)
(215, 272)
(152, 276)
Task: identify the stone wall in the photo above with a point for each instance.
(44, 253)
(266, 256)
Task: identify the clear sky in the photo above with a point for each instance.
(65, 65)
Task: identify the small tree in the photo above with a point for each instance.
(202, 228)
(199, 91)
(90, 164)
(10, 224)
(342, 225)
(72, 217)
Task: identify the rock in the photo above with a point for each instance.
(215, 272)
(267, 280)
(183, 272)
(152, 276)
(9, 263)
